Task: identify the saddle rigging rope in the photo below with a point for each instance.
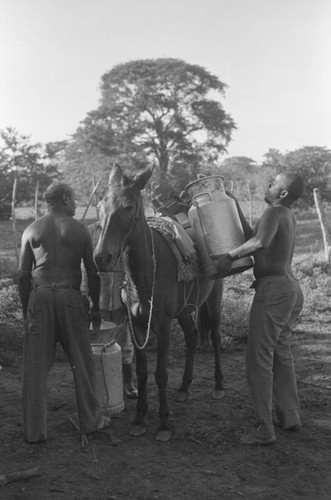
(151, 303)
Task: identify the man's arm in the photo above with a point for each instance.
(93, 281)
(248, 231)
(266, 231)
(25, 267)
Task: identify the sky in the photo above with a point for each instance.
(273, 55)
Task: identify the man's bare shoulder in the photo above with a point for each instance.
(276, 211)
(47, 221)
(35, 225)
(80, 226)
(275, 216)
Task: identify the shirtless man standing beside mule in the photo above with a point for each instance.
(276, 306)
(49, 287)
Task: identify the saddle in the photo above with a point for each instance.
(180, 244)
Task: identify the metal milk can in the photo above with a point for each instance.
(215, 223)
(108, 366)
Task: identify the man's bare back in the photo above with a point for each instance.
(58, 243)
(53, 248)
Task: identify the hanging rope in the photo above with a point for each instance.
(151, 303)
(189, 304)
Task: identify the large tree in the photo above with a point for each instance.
(164, 110)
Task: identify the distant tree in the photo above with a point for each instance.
(237, 168)
(240, 170)
(28, 162)
(55, 151)
(159, 110)
(313, 163)
(82, 168)
(273, 159)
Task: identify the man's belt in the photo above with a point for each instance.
(56, 286)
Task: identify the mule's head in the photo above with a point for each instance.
(119, 213)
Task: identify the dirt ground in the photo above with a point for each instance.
(203, 460)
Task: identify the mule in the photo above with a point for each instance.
(153, 294)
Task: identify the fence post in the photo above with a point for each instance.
(36, 201)
(250, 201)
(13, 205)
(91, 198)
(322, 219)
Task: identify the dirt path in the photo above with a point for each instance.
(204, 459)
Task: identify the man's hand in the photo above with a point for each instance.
(86, 303)
(95, 319)
(223, 263)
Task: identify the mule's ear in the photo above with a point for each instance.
(115, 175)
(141, 179)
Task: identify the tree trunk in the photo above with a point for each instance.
(250, 202)
(36, 201)
(322, 219)
(13, 205)
(91, 198)
(96, 194)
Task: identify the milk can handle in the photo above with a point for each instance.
(201, 225)
(103, 345)
(200, 195)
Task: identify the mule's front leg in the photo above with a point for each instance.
(140, 425)
(190, 334)
(161, 378)
(218, 392)
(213, 305)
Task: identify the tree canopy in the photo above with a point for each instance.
(28, 162)
(312, 162)
(158, 110)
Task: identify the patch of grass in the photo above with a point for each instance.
(11, 325)
(309, 267)
(314, 276)
(309, 234)
(7, 235)
(9, 267)
(236, 304)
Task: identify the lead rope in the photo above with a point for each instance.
(151, 302)
(186, 303)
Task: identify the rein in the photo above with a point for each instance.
(151, 301)
(133, 225)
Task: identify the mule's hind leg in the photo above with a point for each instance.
(190, 334)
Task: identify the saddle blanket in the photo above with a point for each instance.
(181, 246)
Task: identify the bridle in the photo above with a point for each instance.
(130, 230)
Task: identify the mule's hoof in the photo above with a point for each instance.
(163, 435)
(218, 394)
(181, 397)
(138, 430)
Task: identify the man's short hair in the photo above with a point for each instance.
(56, 191)
(294, 184)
